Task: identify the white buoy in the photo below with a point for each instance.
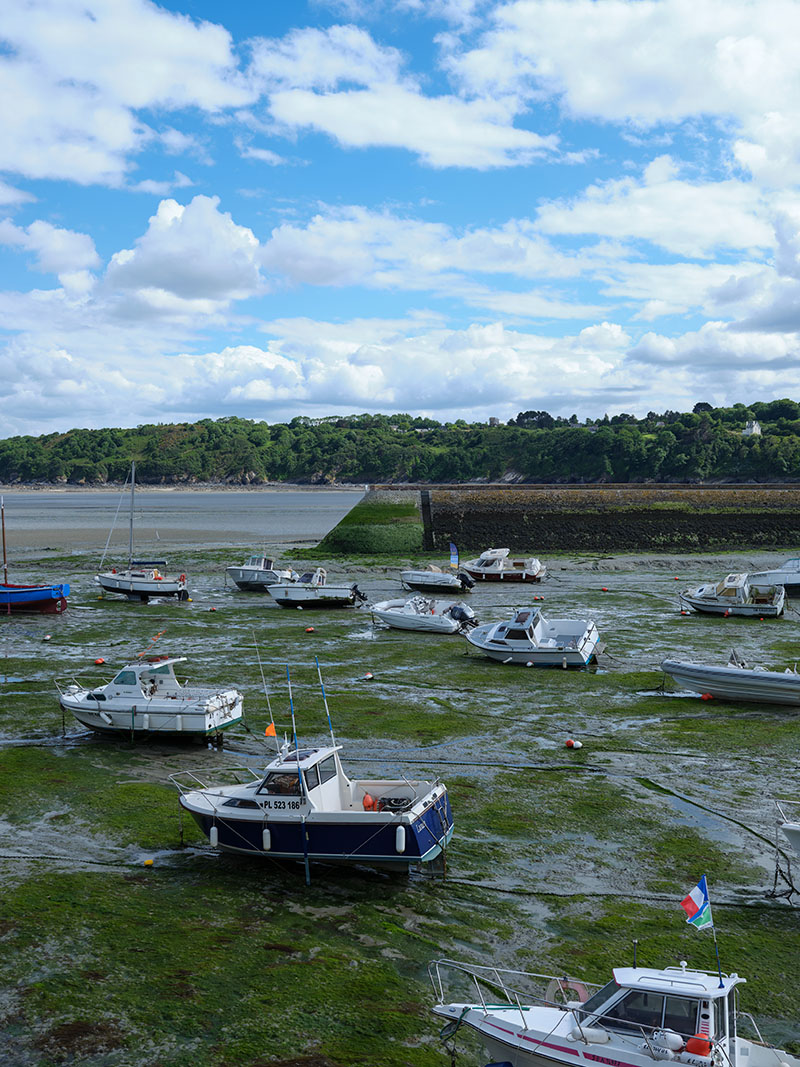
(400, 838)
(213, 837)
(266, 839)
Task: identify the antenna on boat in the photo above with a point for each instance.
(299, 777)
(635, 946)
(325, 701)
(266, 694)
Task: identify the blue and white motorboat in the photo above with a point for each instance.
(303, 806)
(641, 1017)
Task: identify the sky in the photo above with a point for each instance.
(453, 208)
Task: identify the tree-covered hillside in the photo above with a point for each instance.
(706, 444)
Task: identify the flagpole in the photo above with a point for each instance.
(719, 965)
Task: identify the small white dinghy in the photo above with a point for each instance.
(736, 594)
(530, 638)
(428, 616)
(493, 565)
(145, 697)
(257, 573)
(736, 681)
(311, 590)
(641, 1017)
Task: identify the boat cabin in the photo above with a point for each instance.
(315, 578)
(737, 589)
(261, 563)
(681, 1009)
(525, 627)
(148, 678)
(492, 558)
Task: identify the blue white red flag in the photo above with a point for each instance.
(698, 907)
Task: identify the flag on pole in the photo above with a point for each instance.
(453, 555)
(270, 730)
(698, 907)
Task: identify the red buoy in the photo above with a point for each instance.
(99, 660)
(309, 629)
(706, 696)
(605, 589)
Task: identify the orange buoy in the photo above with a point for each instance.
(570, 743)
(369, 676)
(706, 696)
(99, 660)
(676, 579)
(309, 629)
(368, 802)
(699, 1045)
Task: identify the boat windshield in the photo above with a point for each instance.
(598, 999)
(641, 1008)
(125, 678)
(282, 783)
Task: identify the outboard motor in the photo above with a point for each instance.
(464, 616)
(466, 580)
(359, 595)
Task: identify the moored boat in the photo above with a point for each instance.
(644, 1014)
(146, 698)
(789, 821)
(44, 599)
(141, 579)
(311, 590)
(736, 594)
(786, 574)
(257, 573)
(425, 615)
(531, 639)
(493, 565)
(736, 681)
(434, 580)
(303, 806)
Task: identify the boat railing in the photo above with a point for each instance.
(505, 981)
(784, 806)
(189, 781)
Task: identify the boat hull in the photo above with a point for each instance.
(746, 611)
(431, 623)
(142, 589)
(433, 582)
(325, 597)
(40, 599)
(254, 580)
(736, 683)
(503, 576)
(581, 655)
(335, 838)
(153, 718)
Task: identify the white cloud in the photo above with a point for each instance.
(57, 251)
(323, 59)
(191, 253)
(685, 218)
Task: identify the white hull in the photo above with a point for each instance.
(433, 582)
(718, 607)
(736, 683)
(792, 832)
(254, 580)
(137, 587)
(555, 642)
(303, 596)
(201, 718)
(398, 614)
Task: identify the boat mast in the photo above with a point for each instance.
(130, 535)
(3, 522)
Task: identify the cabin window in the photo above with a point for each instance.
(160, 670)
(126, 678)
(282, 783)
(635, 1010)
(312, 777)
(598, 999)
(680, 1015)
(327, 769)
(517, 635)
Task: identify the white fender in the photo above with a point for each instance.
(105, 717)
(591, 1035)
(669, 1039)
(213, 837)
(400, 838)
(266, 839)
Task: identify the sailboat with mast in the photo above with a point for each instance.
(141, 579)
(46, 599)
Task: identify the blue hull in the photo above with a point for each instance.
(337, 842)
(51, 599)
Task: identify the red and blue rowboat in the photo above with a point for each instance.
(48, 599)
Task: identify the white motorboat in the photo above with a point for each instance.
(789, 821)
(435, 580)
(736, 594)
(145, 697)
(643, 1015)
(311, 590)
(141, 579)
(303, 806)
(531, 639)
(493, 565)
(786, 574)
(736, 681)
(429, 616)
(257, 573)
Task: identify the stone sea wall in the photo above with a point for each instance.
(606, 518)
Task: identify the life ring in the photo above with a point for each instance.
(561, 985)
